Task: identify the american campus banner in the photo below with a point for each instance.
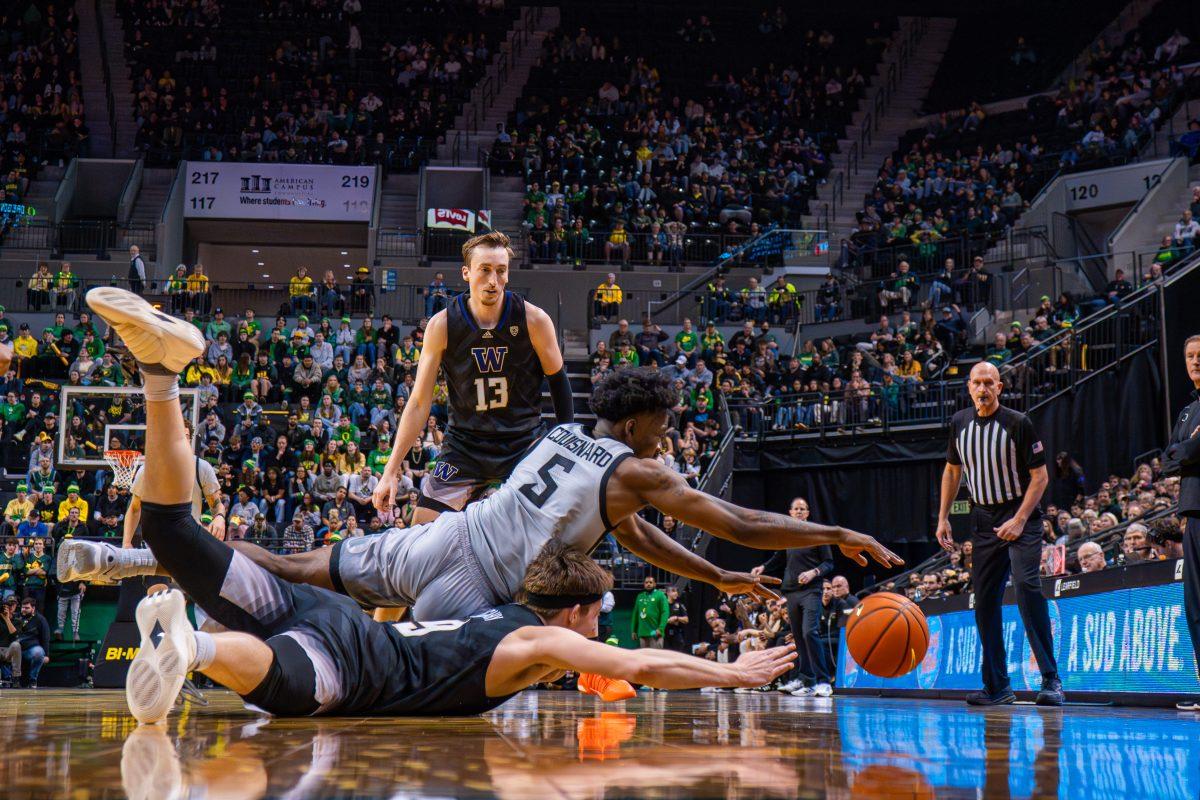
(219, 190)
(1121, 630)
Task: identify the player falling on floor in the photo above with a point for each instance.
(574, 486)
(297, 650)
(495, 350)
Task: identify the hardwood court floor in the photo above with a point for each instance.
(546, 745)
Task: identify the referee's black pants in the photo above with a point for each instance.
(992, 561)
(804, 615)
(1191, 581)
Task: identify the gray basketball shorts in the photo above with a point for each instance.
(431, 568)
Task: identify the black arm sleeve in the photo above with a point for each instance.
(560, 394)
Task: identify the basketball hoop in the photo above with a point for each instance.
(124, 463)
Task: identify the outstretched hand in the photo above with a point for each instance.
(760, 667)
(384, 496)
(857, 544)
(748, 583)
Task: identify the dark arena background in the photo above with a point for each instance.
(815, 221)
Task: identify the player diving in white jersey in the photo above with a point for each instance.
(575, 485)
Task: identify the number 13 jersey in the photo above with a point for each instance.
(493, 378)
(558, 490)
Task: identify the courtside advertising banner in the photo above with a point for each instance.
(216, 190)
(1131, 639)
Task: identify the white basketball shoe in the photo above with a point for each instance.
(155, 339)
(156, 675)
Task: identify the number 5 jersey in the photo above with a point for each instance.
(558, 490)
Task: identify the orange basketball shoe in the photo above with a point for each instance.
(607, 689)
(601, 737)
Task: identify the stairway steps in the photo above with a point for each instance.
(902, 114)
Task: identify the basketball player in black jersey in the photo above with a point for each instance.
(298, 650)
(496, 350)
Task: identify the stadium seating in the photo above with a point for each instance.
(951, 187)
(279, 82)
(41, 98)
(720, 124)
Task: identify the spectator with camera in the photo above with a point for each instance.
(33, 634)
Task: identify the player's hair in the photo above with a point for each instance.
(489, 239)
(561, 570)
(1188, 341)
(631, 391)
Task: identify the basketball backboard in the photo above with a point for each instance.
(108, 411)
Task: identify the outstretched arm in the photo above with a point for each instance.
(528, 653)
(656, 485)
(651, 544)
(416, 411)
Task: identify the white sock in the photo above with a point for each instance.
(206, 651)
(160, 387)
(131, 561)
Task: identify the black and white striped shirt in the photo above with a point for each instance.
(996, 453)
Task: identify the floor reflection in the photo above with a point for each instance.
(560, 745)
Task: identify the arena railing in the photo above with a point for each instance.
(876, 106)
(489, 88)
(771, 248)
(109, 101)
(716, 481)
(1097, 344)
(819, 415)
(1058, 365)
(1001, 249)
(405, 303)
(71, 237)
(798, 309)
(396, 242)
(697, 247)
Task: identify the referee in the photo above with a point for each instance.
(998, 450)
(1182, 458)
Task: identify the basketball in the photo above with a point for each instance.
(887, 635)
